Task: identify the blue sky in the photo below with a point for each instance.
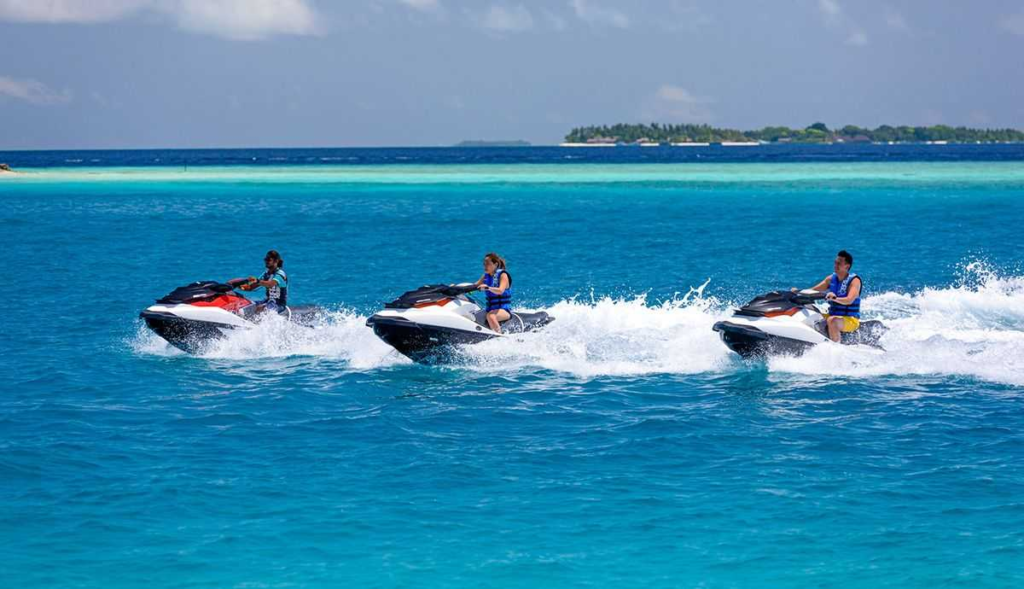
(290, 73)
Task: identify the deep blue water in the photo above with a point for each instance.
(783, 153)
(621, 447)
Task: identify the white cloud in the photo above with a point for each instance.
(675, 104)
(247, 20)
(68, 11)
(231, 19)
(32, 91)
(835, 18)
(1013, 24)
(423, 5)
(672, 93)
(599, 15)
(507, 20)
(831, 10)
(429, 11)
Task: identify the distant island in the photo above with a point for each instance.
(511, 143)
(656, 134)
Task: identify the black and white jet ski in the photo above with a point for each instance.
(192, 315)
(784, 322)
(425, 323)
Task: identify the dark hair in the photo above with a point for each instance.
(846, 256)
(273, 255)
(496, 259)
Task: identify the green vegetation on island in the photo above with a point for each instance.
(816, 133)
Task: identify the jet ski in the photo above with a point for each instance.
(784, 322)
(191, 316)
(426, 323)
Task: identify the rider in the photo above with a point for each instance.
(497, 284)
(843, 296)
(274, 280)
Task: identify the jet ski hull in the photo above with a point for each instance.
(429, 323)
(751, 342)
(191, 335)
(422, 343)
(431, 343)
(188, 335)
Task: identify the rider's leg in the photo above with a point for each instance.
(494, 319)
(835, 327)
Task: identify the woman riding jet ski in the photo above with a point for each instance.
(193, 315)
(425, 323)
(790, 322)
(497, 285)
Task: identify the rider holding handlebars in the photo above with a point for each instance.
(274, 280)
(842, 291)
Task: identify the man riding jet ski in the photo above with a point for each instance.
(192, 315)
(786, 322)
(425, 323)
(780, 322)
(274, 280)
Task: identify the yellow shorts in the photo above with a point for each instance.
(850, 324)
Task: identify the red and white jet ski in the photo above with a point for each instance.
(192, 315)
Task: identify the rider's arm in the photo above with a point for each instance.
(252, 282)
(243, 283)
(823, 285)
(479, 281)
(851, 294)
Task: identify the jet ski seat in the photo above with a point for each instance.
(517, 322)
(868, 334)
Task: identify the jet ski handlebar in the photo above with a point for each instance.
(461, 289)
(808, 296)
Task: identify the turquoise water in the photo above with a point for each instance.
(621, 447)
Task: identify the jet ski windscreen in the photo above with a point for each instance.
(775, 302)
(431, 293)
(197, 291)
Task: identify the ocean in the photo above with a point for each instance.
(621, 446)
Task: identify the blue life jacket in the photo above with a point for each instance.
(840, 288)
(498, 301)
(277, 294)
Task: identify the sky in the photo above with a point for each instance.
(78, 74)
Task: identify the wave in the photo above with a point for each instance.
(617, 336)
(974, 329)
